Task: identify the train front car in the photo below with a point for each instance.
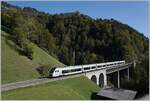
(71, 70)
(55, 72)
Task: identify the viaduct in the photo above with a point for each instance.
(100, 77)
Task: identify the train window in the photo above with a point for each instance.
(75, 70)
(65, 71)
(93, 67)
(79, 69)
(87, 68)
(99, 66)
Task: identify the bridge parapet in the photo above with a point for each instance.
(118, 68)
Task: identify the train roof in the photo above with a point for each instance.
(70, 67)
(89, 65)
(86, 65)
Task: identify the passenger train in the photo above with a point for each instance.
(56, 72)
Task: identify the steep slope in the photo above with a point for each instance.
(16, 67)
(41, 57)
(79, 88)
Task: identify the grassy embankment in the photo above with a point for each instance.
(16, 67)
(74, 88)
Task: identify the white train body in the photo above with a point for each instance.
(82, 68)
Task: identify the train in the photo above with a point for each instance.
(69, 70)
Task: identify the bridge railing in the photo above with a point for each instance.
(117, 68)
(114, 67)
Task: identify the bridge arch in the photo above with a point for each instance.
(94, 76)
(94, 79)
(101, 80)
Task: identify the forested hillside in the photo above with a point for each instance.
(74, 38)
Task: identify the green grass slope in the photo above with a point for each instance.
(41, 57)
(79, 88)
(15, 67)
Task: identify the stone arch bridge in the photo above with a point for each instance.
(100, 76)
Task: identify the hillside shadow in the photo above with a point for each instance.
(44, 77)
(94, 96)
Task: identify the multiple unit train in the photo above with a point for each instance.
(56, 72)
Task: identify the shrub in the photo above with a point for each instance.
(26, 50)
(43, 70)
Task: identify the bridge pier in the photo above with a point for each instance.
(97, 81)
(118, 79)
(128, 74)
(105, 80)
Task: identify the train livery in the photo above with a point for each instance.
(56, 72)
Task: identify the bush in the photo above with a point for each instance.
(26, 50)
(43, 70)
(140, 81)
(131, 84)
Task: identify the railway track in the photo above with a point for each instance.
(27, 83)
